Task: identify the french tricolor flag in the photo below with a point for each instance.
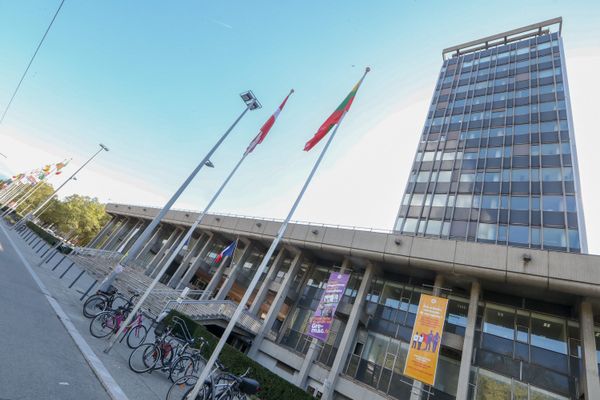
(227, 252)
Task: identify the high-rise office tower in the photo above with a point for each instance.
(497, 160)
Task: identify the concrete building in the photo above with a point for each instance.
(497, 160)
(523, 322)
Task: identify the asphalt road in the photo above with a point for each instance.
(38, 358)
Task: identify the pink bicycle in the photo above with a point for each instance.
(108, 322)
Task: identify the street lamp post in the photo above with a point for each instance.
(72, 177)
(252, 103)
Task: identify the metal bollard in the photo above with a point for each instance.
(76, 279)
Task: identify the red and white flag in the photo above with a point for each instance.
(266, 127)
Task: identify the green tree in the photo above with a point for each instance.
(39, 194)
(82, 216)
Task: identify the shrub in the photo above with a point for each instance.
(272, 386)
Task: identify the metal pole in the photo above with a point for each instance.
(35, 188)
(263, 265)
(166, 265)
(32, 213)
(14, 193)
(137, 245)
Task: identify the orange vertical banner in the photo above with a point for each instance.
(426, 339)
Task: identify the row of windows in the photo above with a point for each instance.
(525, 149)
(506, 53)
(500, 68)
(500, 79)
(514, 234)
(523, 93)
(458, 115)
(501, 83)
(522, 70)
(501, 113)
(520, 96)
(507, 175)
(504, 202)
(519, 132)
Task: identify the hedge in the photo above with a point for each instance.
(272, 386)
(47, 237)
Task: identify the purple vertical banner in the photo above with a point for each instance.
(320, 324)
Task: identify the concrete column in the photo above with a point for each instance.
(159, 256)
(196, 264)
(348, 336)
(95, 241)
(128, 237)
(278, 302)
(261, 294)
(111, 242)
(233, 273)
(193, 252)
(590, 384)
(171, 245)
(149, 243)
(467, 351)
(141, 226)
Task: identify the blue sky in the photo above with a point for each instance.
(158, 82)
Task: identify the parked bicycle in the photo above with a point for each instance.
(166, 348)
(104, 301)
(108, 322)
(225, 386)
(189, 363)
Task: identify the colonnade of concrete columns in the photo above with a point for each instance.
(119, 230)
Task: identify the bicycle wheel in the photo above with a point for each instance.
(136, 336)
(204, 393)
(103, 324)
(94, 306)
(180, 387)
(144, 358)
(181, 367)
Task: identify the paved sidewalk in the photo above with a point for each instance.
(152, 386)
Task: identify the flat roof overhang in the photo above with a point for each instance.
(499, 39)
(515, 269)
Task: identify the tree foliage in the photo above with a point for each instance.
(30, 198)
(77, 215)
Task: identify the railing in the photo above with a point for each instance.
(297, 341)
(315, 224)
(202, 310)
(87, 251)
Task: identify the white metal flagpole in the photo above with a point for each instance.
(21, 201)
(166, 265)
(182, 243)
(261, 268)
(145, 235)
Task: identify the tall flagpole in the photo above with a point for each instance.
(141, 240)
(32, 213)
(174, 254)
(28, 195)
(261, 268)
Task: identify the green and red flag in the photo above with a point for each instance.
(335, 117)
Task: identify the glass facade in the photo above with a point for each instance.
(522, 352)
(496, 162)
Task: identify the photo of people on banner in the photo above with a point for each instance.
(426, 339)
(429, 341)
(321, 322)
